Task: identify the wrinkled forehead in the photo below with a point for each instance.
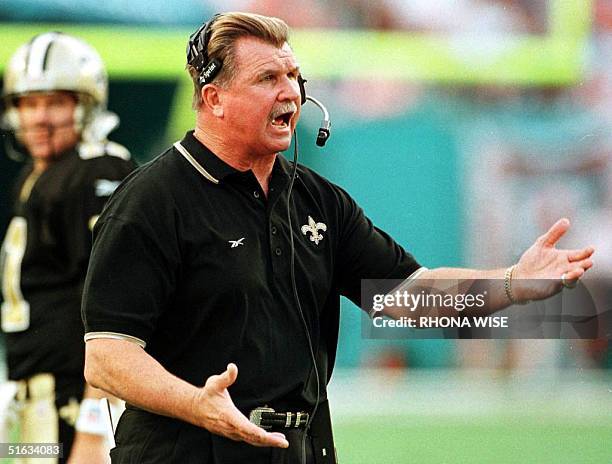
(254, 55)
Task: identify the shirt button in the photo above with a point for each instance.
(256, 194)
(278, 252)
(273, 230)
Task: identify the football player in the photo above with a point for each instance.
(55, 118)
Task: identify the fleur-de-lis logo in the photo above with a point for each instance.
(314, 228)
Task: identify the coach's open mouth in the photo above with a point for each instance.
(283, 120)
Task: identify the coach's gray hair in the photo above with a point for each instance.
(226, 29)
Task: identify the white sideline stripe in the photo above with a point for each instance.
(114, 336)
(556, 397)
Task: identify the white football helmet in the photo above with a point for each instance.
(55, 61)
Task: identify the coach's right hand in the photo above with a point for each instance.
(216, 412)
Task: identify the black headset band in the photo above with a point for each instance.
(197, 52)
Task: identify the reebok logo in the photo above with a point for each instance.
(236, 243)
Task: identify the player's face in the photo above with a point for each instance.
(262, 103)
(47, 124)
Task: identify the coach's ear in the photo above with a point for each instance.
(212, 99)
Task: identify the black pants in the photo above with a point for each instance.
(145, 438)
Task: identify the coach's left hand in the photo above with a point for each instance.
(540, 270)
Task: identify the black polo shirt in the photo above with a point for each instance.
(191, 259)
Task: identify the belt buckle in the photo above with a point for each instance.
(255, 416)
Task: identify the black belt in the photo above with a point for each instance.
(268, 418)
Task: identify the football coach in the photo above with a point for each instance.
(212, 299)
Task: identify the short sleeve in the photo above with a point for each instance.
(366, 252)
(132, 273)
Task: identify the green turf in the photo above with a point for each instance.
(452, 441)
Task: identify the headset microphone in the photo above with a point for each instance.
(323, 134)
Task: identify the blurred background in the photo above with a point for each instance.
(464, 128)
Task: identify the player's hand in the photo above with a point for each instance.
(88, 448)
(215, 411)
(539, 271)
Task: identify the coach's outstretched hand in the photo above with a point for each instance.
(540, 271)
(218, 414)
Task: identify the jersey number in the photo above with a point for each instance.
(15, 310)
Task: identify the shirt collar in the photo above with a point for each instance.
(214, 168)
(210, 166)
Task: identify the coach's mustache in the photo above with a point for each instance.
(283, 108)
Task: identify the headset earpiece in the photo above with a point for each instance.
(197, 53)
(301, 83)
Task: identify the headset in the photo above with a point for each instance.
(197, 56)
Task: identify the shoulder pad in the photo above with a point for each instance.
(90, 150)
